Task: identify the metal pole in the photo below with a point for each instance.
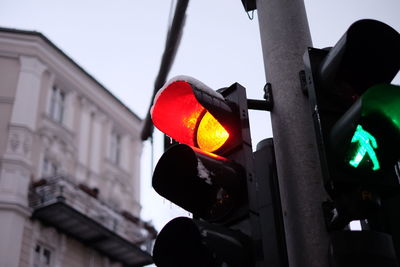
(285, 37)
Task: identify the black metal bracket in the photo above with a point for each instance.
(266, 104)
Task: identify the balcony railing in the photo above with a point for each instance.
(79, 213)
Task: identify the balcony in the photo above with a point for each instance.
(77, 212)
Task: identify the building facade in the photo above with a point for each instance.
(69, 163)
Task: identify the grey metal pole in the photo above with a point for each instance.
(285, 36)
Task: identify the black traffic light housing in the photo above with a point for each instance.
(200, 244)
(337, 78)
(236, 207)
(213, 195)
(214, 182)
(213, 185)
(356, 114)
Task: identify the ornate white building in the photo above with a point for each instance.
(69, 163)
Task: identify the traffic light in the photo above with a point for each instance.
(210, 173)
(208, 167)
(356, 116)
(206, 174)
(190, 242)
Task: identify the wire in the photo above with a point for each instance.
(152, 153)
(171, 12)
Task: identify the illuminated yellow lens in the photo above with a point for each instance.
(210, 134)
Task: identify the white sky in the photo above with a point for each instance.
(120, 43)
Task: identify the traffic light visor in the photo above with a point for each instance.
(179, 113)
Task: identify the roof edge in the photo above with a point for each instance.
(44, 38)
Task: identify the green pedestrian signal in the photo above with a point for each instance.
(366, 138)
(366, 146)
(356, 114)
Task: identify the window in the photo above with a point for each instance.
(42, 256)
(57, 103)
(115, 150)
(49, 167)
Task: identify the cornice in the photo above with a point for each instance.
(6, 100)
(19, 208)
(17, 163)
(34, 43)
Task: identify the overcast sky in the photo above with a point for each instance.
(120, 43)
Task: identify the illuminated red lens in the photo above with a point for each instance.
(176, 112)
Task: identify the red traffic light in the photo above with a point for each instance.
(208, 174)
(188, 111)
(205, 174)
